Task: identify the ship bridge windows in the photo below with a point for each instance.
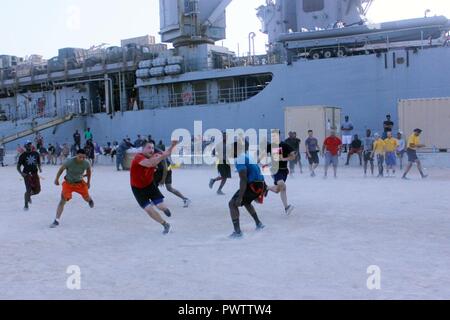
(313, 5)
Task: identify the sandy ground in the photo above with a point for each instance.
(322, 251)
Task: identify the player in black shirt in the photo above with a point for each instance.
(31, 163)
(223, 167)
(281, 155)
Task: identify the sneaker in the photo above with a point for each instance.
(424, 176)
(167, 213)
(220, 193)
(405, 178)
(91, 204)
(260, 226)
(166, 228)
(211, 183)
(236, 235)
(54, 225)
(289, 209)
(187, 203)
(26, 208)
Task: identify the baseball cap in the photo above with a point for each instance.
(418, 130)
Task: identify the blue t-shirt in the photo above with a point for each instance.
(243, 162)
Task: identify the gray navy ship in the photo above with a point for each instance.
(320, 52)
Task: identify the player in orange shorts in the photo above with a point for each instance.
(75, 168)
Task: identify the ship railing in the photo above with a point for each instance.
(203, 97)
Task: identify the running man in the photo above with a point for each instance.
(401, 149)
(379, 150)
(391, 145)
(368, 152)
(223, 167)
(281, 155)
(312, 152)
(412, 146)
(252, 187)
(31, 162)
(76, 169)
(331, 150)
(164, 177)
(145, 190)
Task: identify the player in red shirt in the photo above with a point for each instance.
(331, 149)
(143, 185)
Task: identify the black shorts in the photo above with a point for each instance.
(159, 176)
(250, 195)
(368, 156)
(148, 196)
(314, 157)
(412, 155)
(33, 183)
(281, 175)
(224, 170)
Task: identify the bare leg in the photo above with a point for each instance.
(408, 168)
(254, 215)
(175, 192)
(155, 215)
(60, 209)
(283, 193)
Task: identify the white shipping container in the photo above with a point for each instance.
(320, 119)
(172, 69)
(159, 62)
(146, 64)
(175, 60)
(143, 73)
(157, 72)
(431, 115)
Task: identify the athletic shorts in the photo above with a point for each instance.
(148, 196)
(250, 195)
(281, 175)
(331, 160)
(314, 157)
(391, 159)
(224, 171)
(347, 139)
(33, 183)
(158, 177)
(368, 156)
(69, 188)
(412, 155)
(355, 150)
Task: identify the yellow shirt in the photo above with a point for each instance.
(391, 144)
(379, 146)
(413, 139)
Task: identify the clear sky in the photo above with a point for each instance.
(43, 26)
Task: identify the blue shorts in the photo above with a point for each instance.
(331, 160)
(391, 159)
(281, 175)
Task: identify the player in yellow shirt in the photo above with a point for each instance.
(379, 150)
(391, 145)
(412, 146)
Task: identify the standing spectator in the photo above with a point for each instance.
(401, 149)
(331, 150)
(51, 154)
(121, 153)
(77, 140)
(114, 148)
(88, 134)
(44, 154)
(39, 140)
(161, 146)
(312, 152)
(19, 151)
(139, 142)
(294, 142)
(90, 152)
(411, 150)
(58, 150)
(368, 152)
(150, 139)
(355, 147)
(2, 154)
(65, 153)
(388, 126)
(391, 145)
(379, 152)
(347, 133)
